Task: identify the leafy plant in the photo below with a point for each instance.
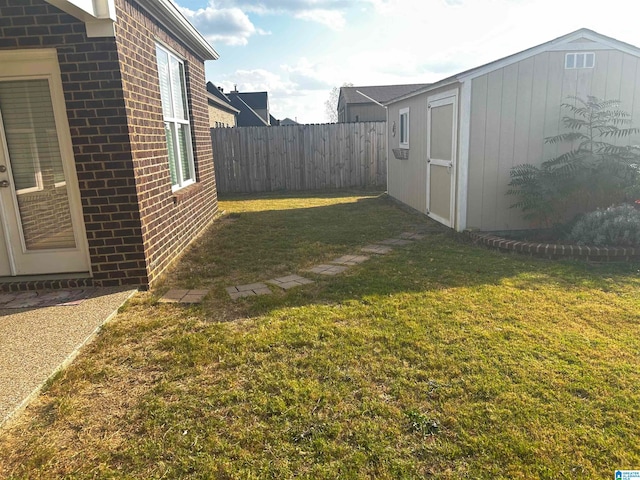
(422, 424)
(615, 226)
(594, 172)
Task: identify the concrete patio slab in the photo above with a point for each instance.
(350, 260)
(377, 249)
(289, 281)
(399, 242)
(35, 343)
(248, 290)
(327, 269)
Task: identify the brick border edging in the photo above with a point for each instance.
(49, 284)
(556, 251)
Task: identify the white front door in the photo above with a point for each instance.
(441, 156)
(41, 227)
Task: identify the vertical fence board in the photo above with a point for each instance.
(300, 157)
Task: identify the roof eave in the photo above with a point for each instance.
(524, 54)
(99, 17)
(213, 99)
(170, 16)
(432, 86)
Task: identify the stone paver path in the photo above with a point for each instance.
(327, 269)
(350, 260)
(335, 267)
(378, 249)
(395, 242)
(412, 236)
(184, 296)
(248, 290)
(289, 281)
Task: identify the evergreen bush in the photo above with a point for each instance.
(617, 226)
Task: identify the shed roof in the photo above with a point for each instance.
(559, 43)
(380, 93)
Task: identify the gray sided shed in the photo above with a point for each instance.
(467, 131)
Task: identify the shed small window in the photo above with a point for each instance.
(173, 94)
(580, 60)
(404, 128)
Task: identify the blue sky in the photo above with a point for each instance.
(297, 50)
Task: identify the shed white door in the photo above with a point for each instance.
(41, 230)
(441, 157)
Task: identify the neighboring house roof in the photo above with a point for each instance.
(256, 100)
(100, 16)
(380, 93)
(288, 121)
(247, 116)
(219, 99)
(561, 43)
(273, 120)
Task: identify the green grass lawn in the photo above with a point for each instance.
(441, 359)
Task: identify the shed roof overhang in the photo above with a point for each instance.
(100, 16)
(565, 42)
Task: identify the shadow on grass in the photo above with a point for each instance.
(255, 243)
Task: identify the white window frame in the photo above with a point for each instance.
(574, 56)
(175, 123)
(404, 142)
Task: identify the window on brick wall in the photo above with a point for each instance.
(176, 118)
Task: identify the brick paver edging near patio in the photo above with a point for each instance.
(555, 251)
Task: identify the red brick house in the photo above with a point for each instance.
(106, 168)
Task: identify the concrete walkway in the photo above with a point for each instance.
(37, 342)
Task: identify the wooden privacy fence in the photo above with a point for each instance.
(300, 157)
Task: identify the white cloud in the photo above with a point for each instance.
(330, 13)
(258, 80)
(307, 75)
(230, 26)
(329, 18)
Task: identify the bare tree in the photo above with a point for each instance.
(331, 105)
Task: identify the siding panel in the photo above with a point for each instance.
(477, 138)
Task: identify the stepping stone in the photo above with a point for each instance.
(350, 260)
(412, 236)
(378, 249)
(395, 241)
(289, 281)
(327, 269)
(184, 296)
(248, 290)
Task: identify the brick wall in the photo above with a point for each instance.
(218, 116)
(97, 117)
(135, 225)
(169, 220)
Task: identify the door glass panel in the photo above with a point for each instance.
(442, 132)
(36, 165)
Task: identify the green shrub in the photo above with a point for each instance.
(596, 171)
(615, 226)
